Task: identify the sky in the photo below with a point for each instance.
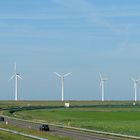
(84, 37)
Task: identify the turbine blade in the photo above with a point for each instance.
(19, 77)
(137, 80)
(12, 77)
(100, 83)
(67, 74)
(105, 79)
(100, 75)
(15, 68)
(57, 74)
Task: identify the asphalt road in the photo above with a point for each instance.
(76, 135)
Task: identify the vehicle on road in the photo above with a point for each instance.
(44, 127)
(1, 118)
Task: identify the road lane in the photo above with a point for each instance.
(76, 135)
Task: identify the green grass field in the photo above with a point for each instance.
(124, 122)
(119, 117)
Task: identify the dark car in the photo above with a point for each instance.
(44, 127)
(1, 118)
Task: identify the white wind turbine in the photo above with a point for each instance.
(16, 76)
(135, 87)
(102, 82)
(62, 82)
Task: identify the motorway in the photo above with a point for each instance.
(76, 135)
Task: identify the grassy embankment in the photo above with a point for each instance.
(10, 136)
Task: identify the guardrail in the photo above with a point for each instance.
(79, 129)
(22, 134)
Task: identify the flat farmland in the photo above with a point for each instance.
(123, 118)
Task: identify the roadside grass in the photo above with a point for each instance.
(42, 134)
(118, 120)
(10, 136)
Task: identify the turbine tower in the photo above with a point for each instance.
(102, 82)
(62, 82)
(16, 76)
(135, 87)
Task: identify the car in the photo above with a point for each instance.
(1, 118)
(44, 127)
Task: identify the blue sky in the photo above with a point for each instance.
(82, 36)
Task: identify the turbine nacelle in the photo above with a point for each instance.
(19, 76)
(62, 76)
(135, 86)
(135, 81)
(102, 81)
(101, 78)
(62, 80)
(16, 76)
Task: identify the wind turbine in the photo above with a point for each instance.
(135, 87)
(16, 76)
(62, 81)
(102, 82)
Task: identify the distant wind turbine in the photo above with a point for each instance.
(135, 87)
(102, 82)
(62, 81)
(16, 76)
